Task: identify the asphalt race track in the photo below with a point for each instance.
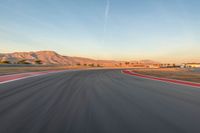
(97, 101)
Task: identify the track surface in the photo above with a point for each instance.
(97, 101)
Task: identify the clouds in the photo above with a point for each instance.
(107, 9)
(106, 16)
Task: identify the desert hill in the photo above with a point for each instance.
(51, 57)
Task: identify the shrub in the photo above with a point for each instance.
(98, 65)
(23, 62)
(78, 64)
(91, 65)
(5, 62)
(127, 63)
(38, 62)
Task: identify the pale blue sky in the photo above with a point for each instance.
(163, 30)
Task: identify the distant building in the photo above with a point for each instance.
(190, 65)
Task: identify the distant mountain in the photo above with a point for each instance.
(51, 57)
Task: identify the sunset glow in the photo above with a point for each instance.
(166, 31)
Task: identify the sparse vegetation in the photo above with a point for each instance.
(91, 65)
(31, 68)
(127, 63)
(23, 62)
(78, 64)
(38, 62)
(5, 62)
(98, 65)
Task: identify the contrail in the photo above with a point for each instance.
(106, 15)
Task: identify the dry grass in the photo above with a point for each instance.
(20, 69)
(172, 73)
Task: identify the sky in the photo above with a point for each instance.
(161, 30)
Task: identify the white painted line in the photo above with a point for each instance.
(35, 75)
(20, 78)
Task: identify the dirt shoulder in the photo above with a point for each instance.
(24, 69)
(172, 73)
